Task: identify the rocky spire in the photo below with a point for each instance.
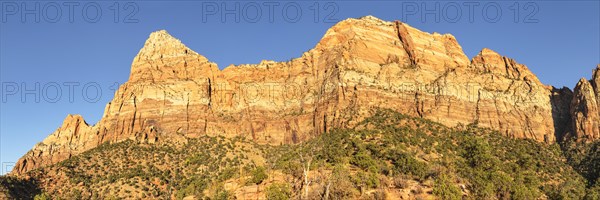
(160, 45)
(585, 108)
(596, 82)
(164, 58)
(585, 115)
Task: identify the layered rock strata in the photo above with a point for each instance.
(174, 93)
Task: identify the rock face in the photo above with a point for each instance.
(174, 93)
(71, 138)
(561, 111)
(585, 108)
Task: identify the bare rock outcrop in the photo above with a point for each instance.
(73, 137)
(174, 93)
(585, 109)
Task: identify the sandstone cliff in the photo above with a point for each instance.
(174, 93)
(585, 109)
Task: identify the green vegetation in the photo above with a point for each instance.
(42, 196)
(486, 163)
(222, 194)
(445, 188)
(16, 188)
(386, 152)
(278, 191)
(585, 158)
(259, 174)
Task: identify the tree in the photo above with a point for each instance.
(306, 162)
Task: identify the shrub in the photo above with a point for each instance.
(222, 195)
(380, 195)
(593, 193)
(364, 161)
(334, 150)
(400, 182)
(407, 164)
(193, 186)
(278, 191)
(341, 187)
(568, 190)
(478, 154)
(42, 196)
(445, 188)
(365, 180)
(259, 174)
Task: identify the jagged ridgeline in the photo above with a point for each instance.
(386, 156)
(177, 104)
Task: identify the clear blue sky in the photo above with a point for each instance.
(558, 40)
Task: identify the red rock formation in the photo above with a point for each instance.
(585, 109)
(71, 138)
(359, 64)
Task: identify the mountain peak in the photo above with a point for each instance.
(374, 40)
(160, 44)
(370, 18)
(73, 117)
(162, 37)
(161, 32)
(165, 57)
(488, 51)
(582, 81)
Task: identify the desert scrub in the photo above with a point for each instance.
(278, 191)
(259, 174)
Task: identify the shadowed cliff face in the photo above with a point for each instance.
(174, 93)
(561, 111)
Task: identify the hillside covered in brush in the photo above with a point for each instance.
(386, 156)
